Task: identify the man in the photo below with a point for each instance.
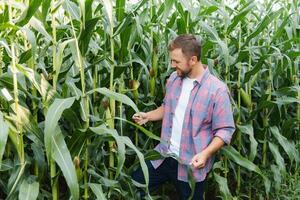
(197, 121)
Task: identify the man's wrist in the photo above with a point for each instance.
(147, 116)
(207, 152)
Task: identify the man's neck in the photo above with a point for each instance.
(197, 70)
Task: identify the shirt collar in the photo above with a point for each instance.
(201, 78)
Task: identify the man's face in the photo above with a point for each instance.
(180, 62)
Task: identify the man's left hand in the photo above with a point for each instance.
(199, 160)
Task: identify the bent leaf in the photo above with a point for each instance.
(55, 145)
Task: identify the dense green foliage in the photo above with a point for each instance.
(72, 73)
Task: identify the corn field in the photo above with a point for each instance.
(73, 72)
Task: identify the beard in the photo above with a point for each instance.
(182, 73)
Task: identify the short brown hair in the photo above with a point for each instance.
(189, 45)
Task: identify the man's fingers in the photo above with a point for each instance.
(196, 164)
(136, 116)
(193, 160)
(143, 121)
(139, 118)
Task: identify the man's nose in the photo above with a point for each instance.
(173, 65)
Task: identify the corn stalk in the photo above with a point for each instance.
(53, 173)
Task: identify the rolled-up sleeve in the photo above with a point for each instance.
(222, 116)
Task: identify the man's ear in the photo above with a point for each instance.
(193, 60)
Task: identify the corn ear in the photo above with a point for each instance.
(245, 98)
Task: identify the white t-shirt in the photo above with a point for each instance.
(178, 117)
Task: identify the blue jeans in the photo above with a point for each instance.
(167, 171)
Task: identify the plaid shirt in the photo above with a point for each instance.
(208, 114)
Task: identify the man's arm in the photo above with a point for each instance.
(222, 128)
(154, 115)
(199, 160)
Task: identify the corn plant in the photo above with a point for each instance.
(72, 73)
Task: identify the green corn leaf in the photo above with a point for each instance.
(234, 155)
(29, 12)
(223, 186)
(148, 133)
(39, 158)
(278, 158)
(31, 38)
(14, 180)
(4, 16)
(62, 157)
(6, 165)
(5, 45)
(45, 9)
(256, 68)
(277, 176)
(144, 167)
(58, 61)
(109, 10)
(88, 9)
(55, 145)
(116, 96)
(15, 138)
(287, 145)
(120, 9)
(266, 21)
(77, 93)
(214, 35)
(191, 181)
(39, 82)
(26, 121)
(168, 6)
(280, 29)
(38, 26)
(122, 26)
(102, 130)
(28, 191)
(3, 136)
(86, 34)
(283, 100)
(25, 56)
(76, 57)
(248, 129)
(72, 9)
(97, 189)
(241, 15)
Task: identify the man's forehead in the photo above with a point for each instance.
(176, 52)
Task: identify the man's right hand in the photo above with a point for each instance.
(140, 118)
